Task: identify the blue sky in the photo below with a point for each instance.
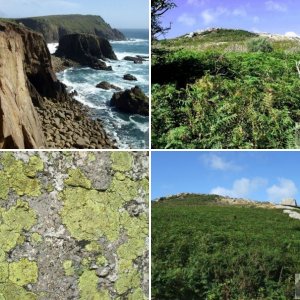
(273, 16)
(261, 176)
(118, 13)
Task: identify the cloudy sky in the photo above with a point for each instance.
(118, 13)
(273, 16)
(262, 176)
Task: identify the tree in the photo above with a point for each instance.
(158, 8)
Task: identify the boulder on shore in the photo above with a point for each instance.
(132, 101)
(135, 59)
(129, 77)
(87, 50)
(107, 86)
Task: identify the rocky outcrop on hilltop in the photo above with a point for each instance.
(55, 27)
(87, 50)
(132, 101)
(26, 76)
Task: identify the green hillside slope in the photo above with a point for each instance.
(214, 252)
(225, 89)
(53, 27)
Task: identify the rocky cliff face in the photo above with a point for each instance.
(26, 77)
(55, 27)
(86, 49)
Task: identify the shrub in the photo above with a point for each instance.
(260, 45)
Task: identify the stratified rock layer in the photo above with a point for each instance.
(26, 76)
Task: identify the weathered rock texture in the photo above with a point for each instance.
(86, 49)
(132, 101)
(54, 27)
(26, 76)
(74, 225)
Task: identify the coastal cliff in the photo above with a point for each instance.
(55, 27)
(26, 77)
(36, 110)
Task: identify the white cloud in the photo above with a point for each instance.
(291, 34)
(210, 15)
(218, 163)
(275, 6)
(196, 2)
(256, 19)
(186, 20)
(241, 12)
(286, 188)
(240, 188)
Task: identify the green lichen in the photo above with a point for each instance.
(10, 291)
(88, 287)
(17, 219)
(128, 280)
(34, 166)
(78, 179)
(121, 161)
(91, 157)
(68, 267)
(137, 294)
(101, 260)
(88, 216)
(19, 176)
(36, 238)
(49, 188)
(23, 272)
(3, 272)
(93, 247)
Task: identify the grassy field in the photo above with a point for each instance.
(217, 90)
(201, 250)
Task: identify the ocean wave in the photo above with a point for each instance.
(52, 47)
(130, 41)
(121, 55)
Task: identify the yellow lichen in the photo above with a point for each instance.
(78, 179)
(68, 267)
(121, 161)
(23, 272)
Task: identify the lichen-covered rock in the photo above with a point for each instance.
(74, 225)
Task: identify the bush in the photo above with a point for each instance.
(260, 45)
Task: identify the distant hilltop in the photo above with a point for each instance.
(242, 33)
(54, 27)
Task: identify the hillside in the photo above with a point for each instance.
(54, 27)
(203, 250)
(225, 89)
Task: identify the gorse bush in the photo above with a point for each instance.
(260, 45)
(233, 100)
(215, 252)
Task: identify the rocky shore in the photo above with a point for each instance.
(69, 125)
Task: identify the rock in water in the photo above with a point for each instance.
(289, 201)
(132, 101)
(26, 77)
(87, 50)
(129, 77)
(107, 86)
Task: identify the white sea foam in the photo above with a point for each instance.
(130, 41)
(52, 47)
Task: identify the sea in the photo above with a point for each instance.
(131, 131)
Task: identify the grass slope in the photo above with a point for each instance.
(53, 27)
(210, 91)
(213, 252)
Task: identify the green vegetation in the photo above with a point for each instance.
(53, 27)
(225, 89)
(206, 251)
